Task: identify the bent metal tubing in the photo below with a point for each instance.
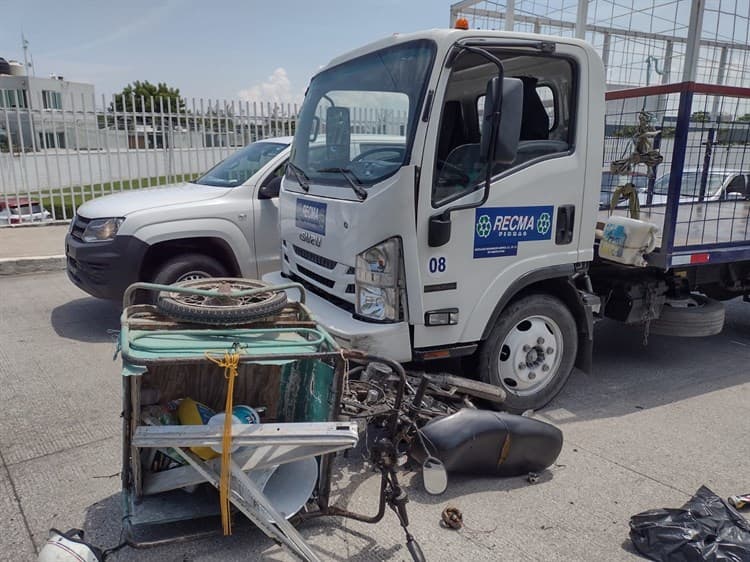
(329, 510)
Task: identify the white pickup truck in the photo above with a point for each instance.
(224, 223)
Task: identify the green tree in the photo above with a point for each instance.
(145, 97)
(700, 117)
(745, 117)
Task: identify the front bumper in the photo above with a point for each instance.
(104, 269)
(385, 340)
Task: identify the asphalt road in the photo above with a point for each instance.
(644, 430)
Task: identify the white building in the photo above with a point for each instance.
(43, 113)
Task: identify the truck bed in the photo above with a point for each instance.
(712, 232)
(699, 224)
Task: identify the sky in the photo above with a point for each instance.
(250, 50)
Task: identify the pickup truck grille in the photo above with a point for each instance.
(79, 226)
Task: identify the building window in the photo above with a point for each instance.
(51, 99)
(52, 140)
(13, 98)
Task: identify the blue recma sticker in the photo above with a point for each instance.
(311, 216)
(499, 230)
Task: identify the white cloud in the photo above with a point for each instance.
(276, 89)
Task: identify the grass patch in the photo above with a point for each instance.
(63, 202)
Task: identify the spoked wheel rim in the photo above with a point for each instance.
(530, 355)
(226, 307)
(225, 287)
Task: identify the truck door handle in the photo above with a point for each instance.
(566, 215)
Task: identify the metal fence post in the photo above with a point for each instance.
(675, 172)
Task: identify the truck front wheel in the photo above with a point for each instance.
(530, 352)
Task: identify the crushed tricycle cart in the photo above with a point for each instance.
(228, 386)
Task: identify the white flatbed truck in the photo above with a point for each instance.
(478, 236)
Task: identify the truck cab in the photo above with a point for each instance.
(470, 237)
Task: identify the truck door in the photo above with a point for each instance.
(532, 217)
(266, 221)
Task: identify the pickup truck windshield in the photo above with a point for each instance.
(360, 116)
(691, 184)
(240, 166)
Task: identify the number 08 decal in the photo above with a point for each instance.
(437, 266)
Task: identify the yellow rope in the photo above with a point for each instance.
(629, 192)
(230, 363)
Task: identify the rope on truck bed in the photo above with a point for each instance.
(643, 153)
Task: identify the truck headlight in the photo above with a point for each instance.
(101, 230)
(379, 281)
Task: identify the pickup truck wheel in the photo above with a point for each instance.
(222, 309)
(694, 316)
(188, 267)
(530, 352)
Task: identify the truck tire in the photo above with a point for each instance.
(695, 316)
(187, 267)
(530, 352)
(184, 267)
(221, 310)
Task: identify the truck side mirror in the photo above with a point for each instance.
(315, 128)
(338, 135)
(270, 188)
(509, 130)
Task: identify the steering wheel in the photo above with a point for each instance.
(397, 152)
(450, 174)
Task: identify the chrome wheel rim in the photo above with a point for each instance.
(192, 276)
(530, 355)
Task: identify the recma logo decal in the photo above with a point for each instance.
(499, 230)
(311, 215)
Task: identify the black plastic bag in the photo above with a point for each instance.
(705, 528)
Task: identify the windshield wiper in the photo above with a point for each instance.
(300, 176)
(351, 179)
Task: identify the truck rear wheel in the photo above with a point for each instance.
(530, 352)
(691, 317)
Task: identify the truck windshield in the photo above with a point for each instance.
(358, 118)
(240, 166)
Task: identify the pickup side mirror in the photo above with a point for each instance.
(510, 110)
(737, 188)
(270, 188)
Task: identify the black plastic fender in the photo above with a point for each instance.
(489, 443)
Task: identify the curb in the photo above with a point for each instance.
(17, 266)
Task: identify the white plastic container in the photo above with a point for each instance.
(627, 240)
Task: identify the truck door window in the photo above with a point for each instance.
(546, 123)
